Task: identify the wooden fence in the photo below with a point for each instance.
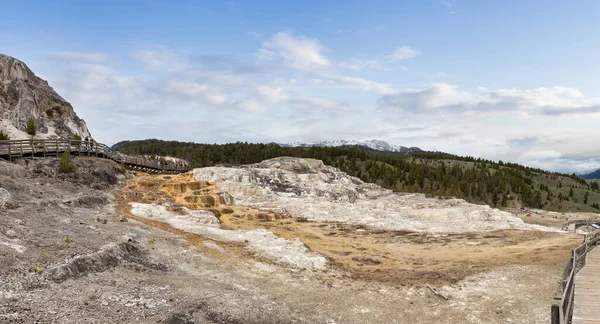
(562, 308)
(12, 149)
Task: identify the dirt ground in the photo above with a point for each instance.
(68, 256)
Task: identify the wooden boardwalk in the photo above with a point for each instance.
(577, 297)
(587, 291)
(14, 149)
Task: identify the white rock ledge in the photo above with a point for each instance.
(282, 251)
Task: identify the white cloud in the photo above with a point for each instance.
(158, 57)
(300, 52)
(264, 99)
(403, 53)
(363, 64)
(266, 54)
(380, 62)
(194, 91)
(541, 101)
(318, 104)
(364, 84)
(261, 99)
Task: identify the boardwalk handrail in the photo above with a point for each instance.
(20, 148)
(561, 310)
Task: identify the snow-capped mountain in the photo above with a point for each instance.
(590, 175)
(373, 144)
(584, 172)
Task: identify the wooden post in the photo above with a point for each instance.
(9, 152)
(585, 250)
(554, 314)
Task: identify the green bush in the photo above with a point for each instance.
(30, 127)
(66, 163)
(122, 168)
(77, 137)
(3, 136)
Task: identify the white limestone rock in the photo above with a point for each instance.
(25, 96)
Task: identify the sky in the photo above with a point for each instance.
(505, 80)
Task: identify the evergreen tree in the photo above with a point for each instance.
(3, 136)
(30, 127)
(66, 163)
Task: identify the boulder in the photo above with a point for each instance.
(12, 170)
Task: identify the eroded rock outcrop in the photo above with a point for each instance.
(24, 96)
(307, 188)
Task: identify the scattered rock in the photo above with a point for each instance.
(108, 257)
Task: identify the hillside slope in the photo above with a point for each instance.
(436, 174)
(25, 96)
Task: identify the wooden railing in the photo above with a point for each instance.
(12, 149)
(562, 309)
(580, 222)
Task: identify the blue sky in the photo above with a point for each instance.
(510, 80)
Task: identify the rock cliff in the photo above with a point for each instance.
(24, 96)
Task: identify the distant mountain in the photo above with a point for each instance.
(377, 145)
(591, 175)
(24, 96)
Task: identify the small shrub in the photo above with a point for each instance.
(3, 136)
(30, 127)
(68, 240)
(122, 169)
(301, 219)
(152, 241)
(66, 163)
(77, 137)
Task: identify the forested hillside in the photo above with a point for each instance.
(437, 174)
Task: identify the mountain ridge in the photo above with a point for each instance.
(374, 144)
(590, 175)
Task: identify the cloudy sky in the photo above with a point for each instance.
(510, 80)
